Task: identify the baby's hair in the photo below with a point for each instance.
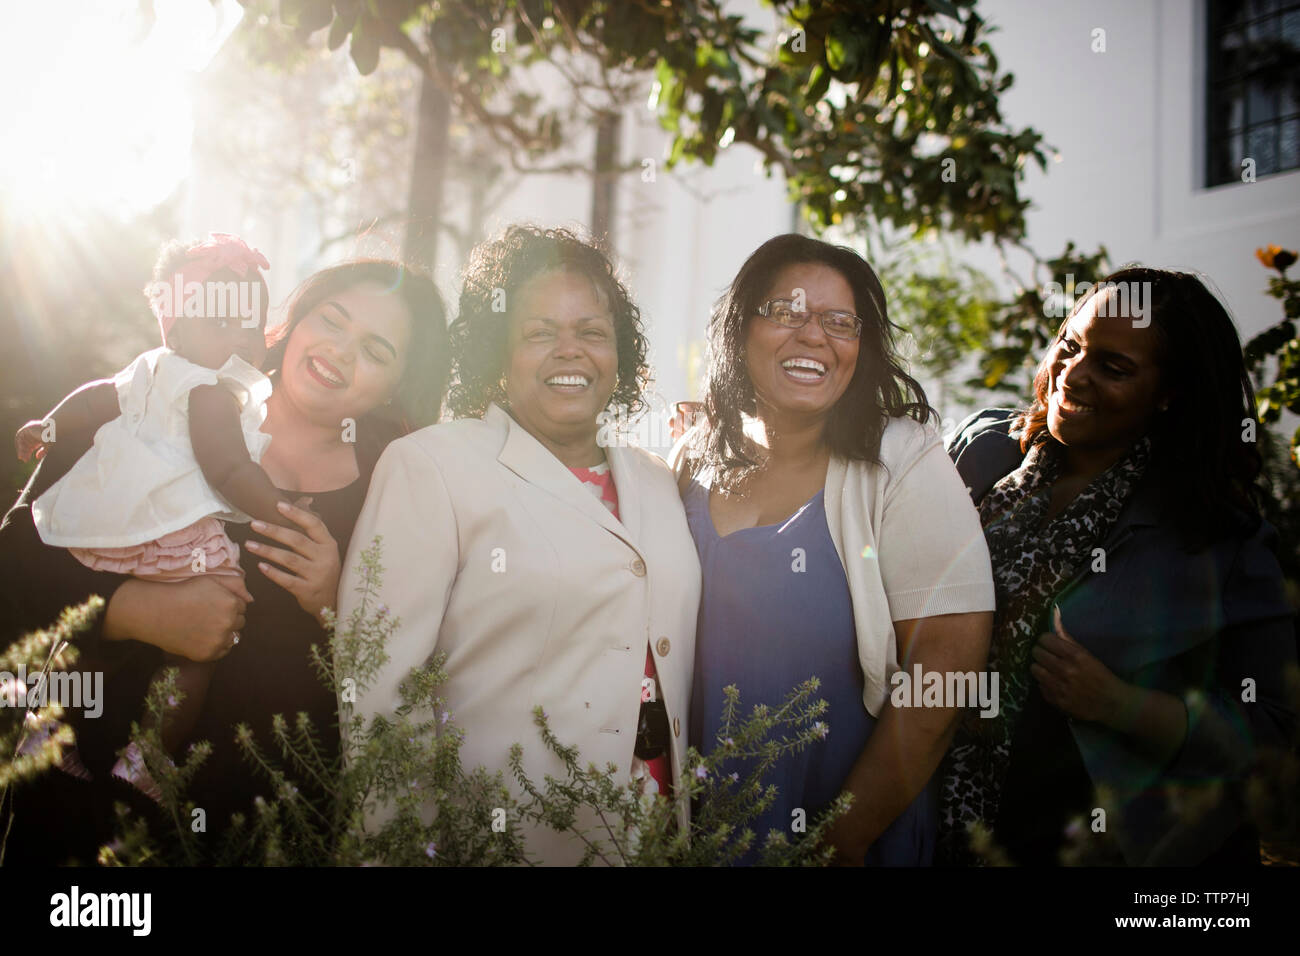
(171, 257)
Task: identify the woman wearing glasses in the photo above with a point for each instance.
(836, 540)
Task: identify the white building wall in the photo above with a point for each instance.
(1129, 126)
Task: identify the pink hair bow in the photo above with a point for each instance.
(220, 251)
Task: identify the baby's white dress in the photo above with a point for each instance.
(140, 480)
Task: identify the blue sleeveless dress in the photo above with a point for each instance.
(775, 610)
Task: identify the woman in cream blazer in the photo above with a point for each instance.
(496, 553)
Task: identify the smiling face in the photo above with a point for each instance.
(347, 354)
(1104, 384)
(802, 372)
(563, 357)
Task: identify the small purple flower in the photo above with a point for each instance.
(735, 778)
(822, 729)
(729, 742)
(446, 716)
(171, 700)
(431, 850)
(701, 773)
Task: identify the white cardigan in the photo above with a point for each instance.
(909, 539)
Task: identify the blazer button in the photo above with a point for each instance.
(637, 567)
(677, 726)
(663, 647)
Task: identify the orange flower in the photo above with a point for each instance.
(1275, 257)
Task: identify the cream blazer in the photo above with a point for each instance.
(494, 553)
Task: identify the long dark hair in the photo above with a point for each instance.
(879, 390)
(1206, 469)
(497, 268)
(417, 400)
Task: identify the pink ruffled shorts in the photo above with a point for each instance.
(201, 548)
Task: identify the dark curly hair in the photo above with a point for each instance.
(879, 390)
(497, 269)
(1207, 473)
(417, 400)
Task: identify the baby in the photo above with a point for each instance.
(180, 457)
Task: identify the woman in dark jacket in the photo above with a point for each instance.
(1142, 632)
(361, 359)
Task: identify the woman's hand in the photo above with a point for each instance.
(1072, 680)
(310, 557)
(196, 619)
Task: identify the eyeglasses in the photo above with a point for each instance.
(839, 325)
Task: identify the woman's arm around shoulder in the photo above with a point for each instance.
(680, 460)
(990, 421)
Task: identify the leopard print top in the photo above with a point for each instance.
(1033, 560)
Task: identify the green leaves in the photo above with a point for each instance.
(873, 88)
(46, 650)
(944, 7)
(1269, 342)
(841, 53)
(365, 46)
(1278, 344)
(307, 16)
(339, 31)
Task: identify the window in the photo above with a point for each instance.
(1254, 88)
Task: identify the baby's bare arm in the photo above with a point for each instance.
(86, 409)
(223, 457)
